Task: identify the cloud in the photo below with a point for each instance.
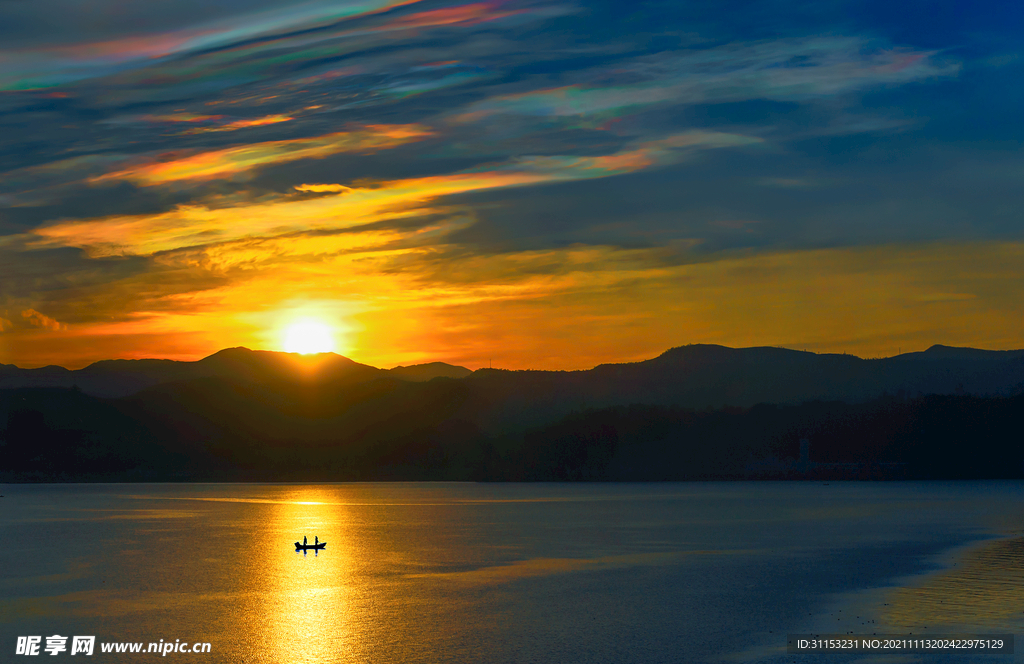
(791, 69)
(5, 324)
(213, 123)
(242, 124)
(570, 308)
(46, 67)
(322, 188)
(441, 174)
(194, 225)
(231, 162)
(169, 117)
(41, 320)
(579, 306)
(468, 14)
(249, 50)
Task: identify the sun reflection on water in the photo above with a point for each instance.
(308, 601)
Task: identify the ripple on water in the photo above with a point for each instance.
(983, 591)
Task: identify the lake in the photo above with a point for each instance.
(562, 573)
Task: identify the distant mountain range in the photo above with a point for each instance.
(698, 375)
(121, 378)
(242, 414)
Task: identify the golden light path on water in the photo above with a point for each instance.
(307, 596)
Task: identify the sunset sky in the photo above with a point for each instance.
(538, 184)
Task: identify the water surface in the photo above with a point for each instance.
(437, 572)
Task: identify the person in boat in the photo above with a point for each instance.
(303, 540)
(317, 540)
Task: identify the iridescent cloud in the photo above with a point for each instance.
(784, 70)
(28, 69)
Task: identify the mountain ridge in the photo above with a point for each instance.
(259, 414)
(725, 375)
(118, 378)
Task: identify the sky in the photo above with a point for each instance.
(544, 184)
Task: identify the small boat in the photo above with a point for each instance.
(317, 546)
(299, 546)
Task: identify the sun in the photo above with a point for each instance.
(308, 337)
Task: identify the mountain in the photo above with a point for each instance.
(120, 378)
(243, 414)
(710, 376)
(497, 401)
(430, 371)
(697, 376)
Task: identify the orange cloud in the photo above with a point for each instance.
(237, 160)
(197, 225)
(242, 124)
(228, 275)
(319, 188)
(5, 324)
(558, 309)
(578, 307)
(188, 226)
(41, 320)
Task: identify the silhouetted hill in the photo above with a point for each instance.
(119, 378)
(51, 376)
(709, 376)
(696, 376)
(429, 371)
(242, 414)
(939, 352)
